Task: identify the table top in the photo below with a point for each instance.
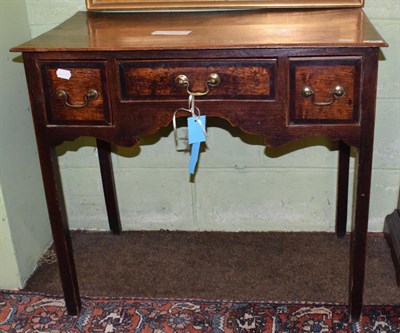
(99, 31)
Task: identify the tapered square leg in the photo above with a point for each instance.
(59, 227)
(110, 195)
(342, 189)
(360, 230)
(363, 165)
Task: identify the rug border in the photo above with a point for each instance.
(182, 299)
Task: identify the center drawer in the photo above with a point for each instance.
(249, 79)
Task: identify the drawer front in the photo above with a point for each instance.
(239, 79)
(324, 90)
(76, 93)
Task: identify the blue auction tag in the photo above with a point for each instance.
(194, 156)
(196, 135)
(196, 129)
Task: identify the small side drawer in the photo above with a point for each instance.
(77, 94)
(252, 79)
(324, 90)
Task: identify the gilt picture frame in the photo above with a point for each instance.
(126, 5)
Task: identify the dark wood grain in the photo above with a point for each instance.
(240, 79)
(264, 59)
(92, 31)
(322, 75)
(129, 118)
(84, 76)
(363, 185)
(53, 191)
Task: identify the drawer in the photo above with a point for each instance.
(76, 93)
(324, 90)
(252, 79)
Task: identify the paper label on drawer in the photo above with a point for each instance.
(63, 74)
(171, 32)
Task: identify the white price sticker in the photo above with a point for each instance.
(171, 32)
(63, 74)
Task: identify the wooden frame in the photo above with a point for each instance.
(121, 5)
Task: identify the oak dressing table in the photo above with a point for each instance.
(281, 74)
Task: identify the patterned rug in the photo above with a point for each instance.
(40, 313)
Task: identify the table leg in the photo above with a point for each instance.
(342, 189)
(360, 229)
(59, 227)
(110, 195)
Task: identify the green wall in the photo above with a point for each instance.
(24, 224)
(10, 277)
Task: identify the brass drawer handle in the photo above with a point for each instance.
(337, 92)
(212, 81)
(90, 95)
